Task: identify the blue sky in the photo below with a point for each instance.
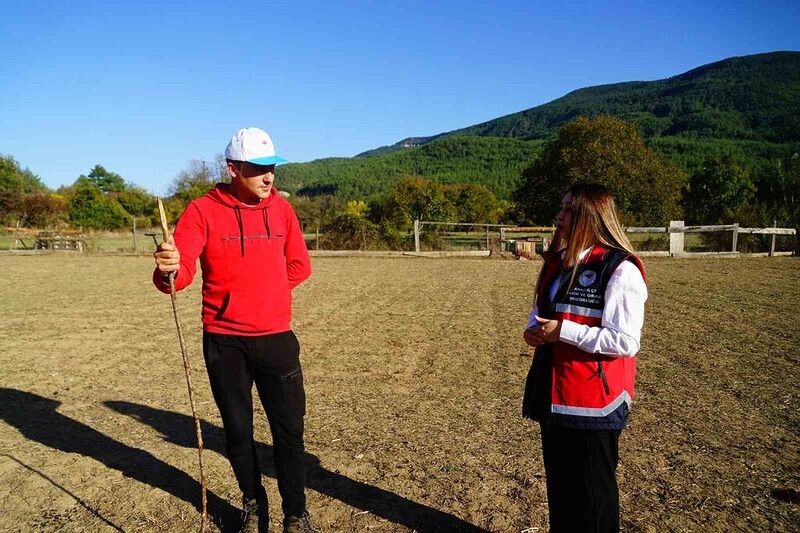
(144, 87)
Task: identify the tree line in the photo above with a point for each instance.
(98, 200)
(651, 189)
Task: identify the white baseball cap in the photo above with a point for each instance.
(253, 145)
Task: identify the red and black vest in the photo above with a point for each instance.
(586, 390)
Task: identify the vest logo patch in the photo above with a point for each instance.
(587, 278)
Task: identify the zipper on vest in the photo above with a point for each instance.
(602, 375)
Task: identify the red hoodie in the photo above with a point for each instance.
(252, 256)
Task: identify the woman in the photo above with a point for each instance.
(585, 324)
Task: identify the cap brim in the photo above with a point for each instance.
(271, 160)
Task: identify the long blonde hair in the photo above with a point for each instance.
(594, 221)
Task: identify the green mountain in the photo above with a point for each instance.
(495, 163)
(748, 106)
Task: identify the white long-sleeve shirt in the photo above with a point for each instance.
(623, 315)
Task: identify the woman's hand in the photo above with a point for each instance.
(547, 331)
(531, 338)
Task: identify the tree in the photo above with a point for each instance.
(16, 179)
(315, 211)
(196, 180)
(137, 201)
(779, 192)
(779, 189)
(36, 209)
(11, 203)
(790, 187)
(413, 198)
(41, 209)
(90, 208)
(474, 203)
(356, 208)
(105, 180)
(608, 151)
(717, 190)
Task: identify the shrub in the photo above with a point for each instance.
(349, 232)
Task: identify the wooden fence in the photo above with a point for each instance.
(500, 228)
(676, 231)
(498, 237)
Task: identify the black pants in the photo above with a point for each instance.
(580, 466)
(234, 363)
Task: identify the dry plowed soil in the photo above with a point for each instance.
(414, 371)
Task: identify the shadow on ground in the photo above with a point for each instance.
(179, 429)
(37, 419)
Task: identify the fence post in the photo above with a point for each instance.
(487, 238)
(502, 239)
(772, 241)
(16, 237)
(676, 239)
(735, 237)
(416, 235)
(316, 241)
(135, 248)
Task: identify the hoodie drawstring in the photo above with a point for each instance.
(238, 212)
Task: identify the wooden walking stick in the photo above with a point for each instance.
(187, 369)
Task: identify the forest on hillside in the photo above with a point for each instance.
(747, 108)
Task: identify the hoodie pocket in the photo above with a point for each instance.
(255, 310)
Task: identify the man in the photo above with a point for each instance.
(252, 255)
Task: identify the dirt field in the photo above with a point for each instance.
(414, 371)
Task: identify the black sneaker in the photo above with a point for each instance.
(252, 512)
(299, 524)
